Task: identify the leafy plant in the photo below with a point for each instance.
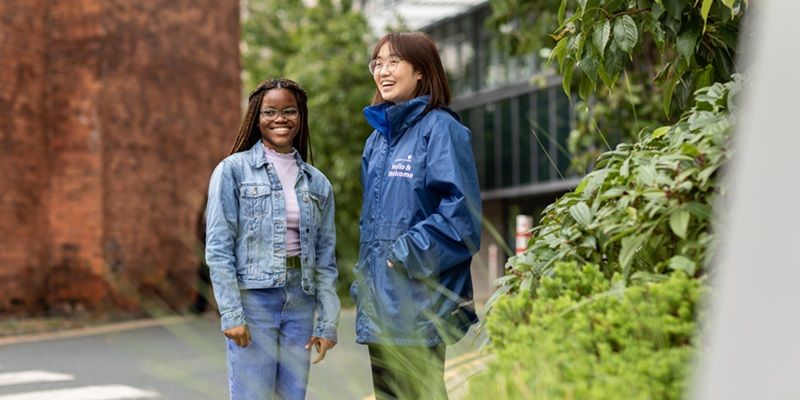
(584, 336)
(598, 39)
(645, 210)
(634, 63)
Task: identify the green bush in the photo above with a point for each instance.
(640, 227)
(584, 336)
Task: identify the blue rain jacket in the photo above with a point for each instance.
(422, 211)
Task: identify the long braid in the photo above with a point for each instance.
(249, 132)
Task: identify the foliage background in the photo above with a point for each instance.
(319, 46)
(633, 63)
(638, 230)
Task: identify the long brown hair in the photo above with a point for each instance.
(419, 50)
(250, 134)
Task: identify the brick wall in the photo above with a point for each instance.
(23, 151)
(141, 99)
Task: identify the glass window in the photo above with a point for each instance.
(542, 136)
(489, 143)
(524, 112)
(562, 128)
(506, 144)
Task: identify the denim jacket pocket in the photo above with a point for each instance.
(317, 204)
(254, 199)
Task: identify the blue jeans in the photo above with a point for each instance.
(275, 364)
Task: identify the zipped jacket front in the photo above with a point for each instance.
(421, 211)
(246, 229)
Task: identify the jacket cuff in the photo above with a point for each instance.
(232, 319)
(326, 333)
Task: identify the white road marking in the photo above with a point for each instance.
(16, 378)
(106, 392)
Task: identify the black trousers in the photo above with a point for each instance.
(408, 372)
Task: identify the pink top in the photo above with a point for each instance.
(287, 169)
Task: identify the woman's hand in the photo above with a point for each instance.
(322, 345)
(239, 334)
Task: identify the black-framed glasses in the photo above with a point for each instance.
(390, 64)
(288, 113)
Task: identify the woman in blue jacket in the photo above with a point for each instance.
(420, 222)
(270, 242)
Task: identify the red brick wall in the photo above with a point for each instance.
(165, 131)
(23, 151)
(139, 101)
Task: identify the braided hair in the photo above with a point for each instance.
(250, 134)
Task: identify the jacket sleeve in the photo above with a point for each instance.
(451, 234)
(222, 226)
(326, 273)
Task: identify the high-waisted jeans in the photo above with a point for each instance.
(275, 364)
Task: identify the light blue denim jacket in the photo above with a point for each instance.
(246, 230)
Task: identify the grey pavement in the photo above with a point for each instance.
(181, 359)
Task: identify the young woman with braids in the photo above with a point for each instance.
(270, 248)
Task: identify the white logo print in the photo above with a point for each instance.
(401, 168)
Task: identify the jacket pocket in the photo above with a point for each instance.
(254, 199)
(317, 203)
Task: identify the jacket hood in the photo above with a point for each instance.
(392, 120)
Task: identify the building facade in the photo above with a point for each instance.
(113, 114)
(519, 116)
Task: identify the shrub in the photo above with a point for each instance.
(583, 336)
(640, 227)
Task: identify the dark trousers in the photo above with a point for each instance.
(408, 372)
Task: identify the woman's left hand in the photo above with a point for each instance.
(322, 345)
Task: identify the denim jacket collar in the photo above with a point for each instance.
(258, 158)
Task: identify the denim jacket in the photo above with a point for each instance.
(245, 235)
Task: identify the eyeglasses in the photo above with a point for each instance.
(391, 63)
(288, 113)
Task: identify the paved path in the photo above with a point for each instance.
(177, 358)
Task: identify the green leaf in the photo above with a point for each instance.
(600, 36)
(630, 245)
(560, 52)
(704, 12)
(625, 169)
(669, 89)
(581, 213)
(681, 263)
(625, 33)
(582, 185)
(700, 210)
(679, 222)
(589, 66)
(566, 79)
(729, 3)
(661, 131)
(686, 42)
(675, 8)
(688, 148)
(646, 175)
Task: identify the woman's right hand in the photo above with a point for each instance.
(239, 334)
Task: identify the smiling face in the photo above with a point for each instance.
(278, 133)
(398, 85)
